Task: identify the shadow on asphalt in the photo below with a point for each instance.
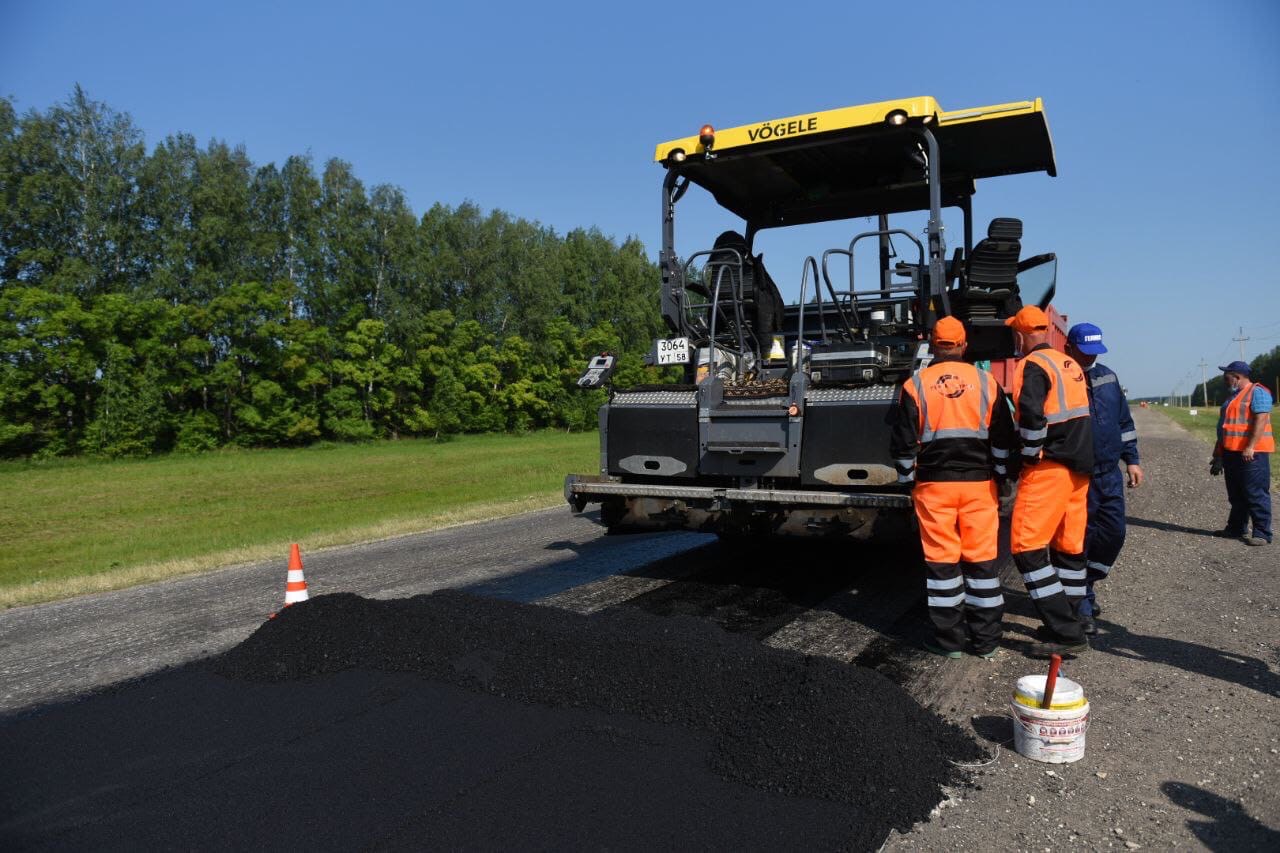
(1169, 527)
(751, 587)
(658, 556)
(1240, 670)
(755, 586)
(995, 729)
(1229, 828)
(756, 590)
(565, 545)
(1118, 640)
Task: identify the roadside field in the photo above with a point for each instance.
(1203, 424)
(72, 527)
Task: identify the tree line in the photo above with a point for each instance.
(1264, 368)
(184, 298)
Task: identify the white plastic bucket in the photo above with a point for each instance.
(1054, 735)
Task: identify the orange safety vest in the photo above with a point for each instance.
(1068, 396)
(1235, 424)
(947, 409)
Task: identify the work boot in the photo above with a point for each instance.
(1045, 634)
(1257, 540)
(1058, 647)
(1227, 533)
(933, 648)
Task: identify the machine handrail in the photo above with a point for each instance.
(804, 283)
(852, 293)
(835, 300)
(735, 289)
(886, 232)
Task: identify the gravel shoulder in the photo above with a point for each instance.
(1184, 738)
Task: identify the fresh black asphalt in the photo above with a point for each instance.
(458, 721)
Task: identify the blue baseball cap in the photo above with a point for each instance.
(1087, 338)
(1236, 367)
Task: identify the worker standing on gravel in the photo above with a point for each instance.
(1050, 512)
(1245, 444)
(1115, 440)
(952, 438)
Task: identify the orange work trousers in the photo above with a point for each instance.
(1051, 509)
(958, 520)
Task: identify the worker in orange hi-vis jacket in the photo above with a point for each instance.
(1245, 444)
(1051, 510)
(952, 437)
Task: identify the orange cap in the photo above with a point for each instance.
(1029, 319)
(948, 332)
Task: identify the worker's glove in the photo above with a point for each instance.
(1215, 466)
(1005, 487)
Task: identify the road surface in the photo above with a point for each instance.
(1183, 681)
(60, 650)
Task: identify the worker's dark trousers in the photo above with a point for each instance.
(965, 594)
(1046, 573)
(1249, 491)
(1105, 536)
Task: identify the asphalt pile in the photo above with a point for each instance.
(778, 721)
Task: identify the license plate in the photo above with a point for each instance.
(673, 351)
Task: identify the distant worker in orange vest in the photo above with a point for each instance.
(1051, 510)
(1243, 453)
(952, 437)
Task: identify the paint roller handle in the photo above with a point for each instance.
(1055, 662)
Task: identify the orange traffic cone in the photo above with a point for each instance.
(295, 588)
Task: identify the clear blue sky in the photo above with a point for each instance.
(1164, 115)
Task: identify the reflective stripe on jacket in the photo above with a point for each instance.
(955, 419)
(1235, 424)
(1051, 399)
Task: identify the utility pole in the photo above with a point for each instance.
(1204, 382)
(1241, 341)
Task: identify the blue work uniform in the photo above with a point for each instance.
(1248, 483)
(1115, 440)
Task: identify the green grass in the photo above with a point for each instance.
(77, 526)
(1203, 425)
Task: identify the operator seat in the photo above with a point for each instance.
(993, 263)
(991, 286)
(762, 303)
